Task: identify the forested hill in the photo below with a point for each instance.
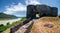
(6, 16)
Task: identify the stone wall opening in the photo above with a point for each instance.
(37, 15)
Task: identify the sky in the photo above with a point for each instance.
(19, 7)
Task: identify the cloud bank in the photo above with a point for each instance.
(13, 9)
(33, 2)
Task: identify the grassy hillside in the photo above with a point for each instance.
(6, 16)
(46, 25)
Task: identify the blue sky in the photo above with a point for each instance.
(18, 7)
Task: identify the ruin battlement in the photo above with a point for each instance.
(42, 10)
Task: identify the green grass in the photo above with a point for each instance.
(3, 28)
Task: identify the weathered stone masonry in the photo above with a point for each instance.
(42, 10)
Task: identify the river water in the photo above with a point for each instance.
(10, 21)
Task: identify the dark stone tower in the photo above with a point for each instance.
(42, 10)
(30, 11)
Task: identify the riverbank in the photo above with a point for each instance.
(3, 28)
(4, 22)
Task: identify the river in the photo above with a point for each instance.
(4, 22)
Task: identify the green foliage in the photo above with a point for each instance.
(1, 25)
(24, 18)
(59, 15)
(3, 28)
(6, 16)
(8, 23)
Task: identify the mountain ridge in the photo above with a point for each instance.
(7, 16)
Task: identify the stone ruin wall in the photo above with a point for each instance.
(43, 10)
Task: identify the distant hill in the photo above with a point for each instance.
(6, 16)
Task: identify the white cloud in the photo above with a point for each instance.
(12, 9)
(33, 2)
(15, 8)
